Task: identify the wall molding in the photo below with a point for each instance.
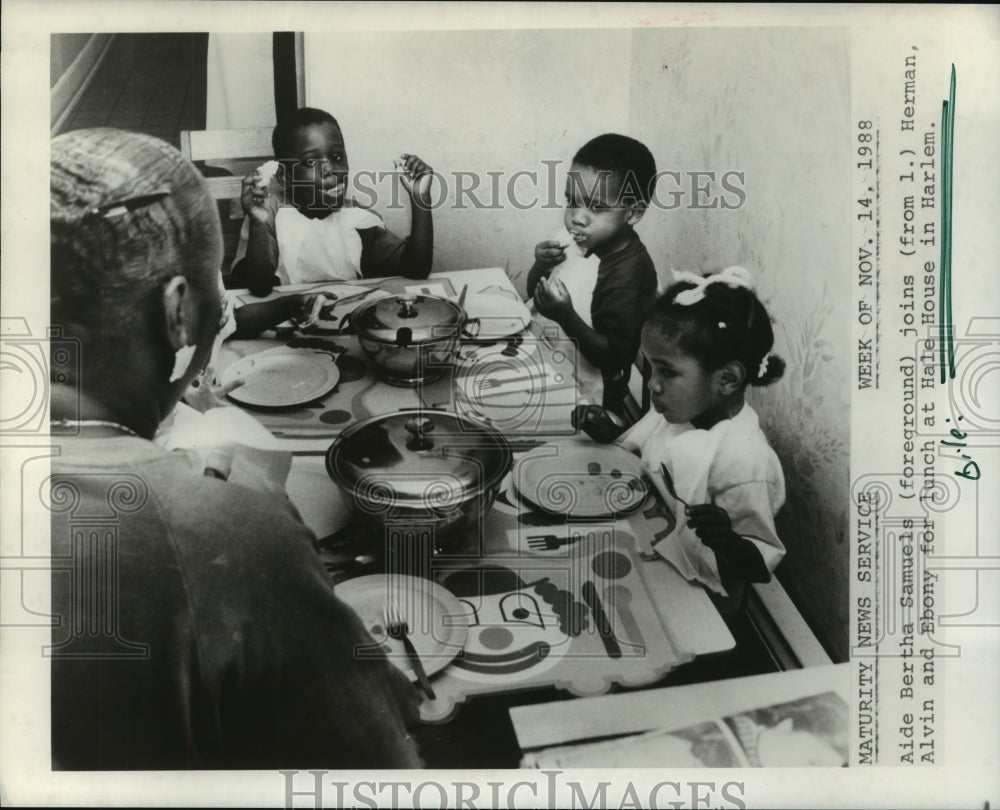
(69, 89)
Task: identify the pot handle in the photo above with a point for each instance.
(418, 428)
(346, 327)
(404, 337)
(472, 335)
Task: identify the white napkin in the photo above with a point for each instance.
(231, 443)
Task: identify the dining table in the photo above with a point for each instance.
(537, 605)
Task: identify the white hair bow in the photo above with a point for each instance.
(732, 277)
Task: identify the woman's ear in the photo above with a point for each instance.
(731, 377)
(179, 312)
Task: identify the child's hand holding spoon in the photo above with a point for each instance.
(711, 523)
(668, 481)
(550, 253)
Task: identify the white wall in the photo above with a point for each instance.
(236, 63)
(774, 104)
(473, 101)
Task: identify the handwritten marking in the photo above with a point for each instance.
(971, 469)
(945, 335)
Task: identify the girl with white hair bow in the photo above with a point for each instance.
(706, 340)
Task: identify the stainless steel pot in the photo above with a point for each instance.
(410, 339)
(420, 473)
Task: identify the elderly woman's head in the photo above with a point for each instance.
(135, 248)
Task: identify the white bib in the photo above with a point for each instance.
(579, 274)
(327, 249)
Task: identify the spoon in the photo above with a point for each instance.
(668, 480)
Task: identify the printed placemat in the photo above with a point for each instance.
(553, 603)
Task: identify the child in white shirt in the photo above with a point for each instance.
(316, 233)
(706, 339)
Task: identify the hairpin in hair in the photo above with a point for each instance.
(121, 207)
(731, 277)
(762, 369)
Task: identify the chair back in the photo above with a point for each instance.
(226, 144)
(237, 151)
(638, 400)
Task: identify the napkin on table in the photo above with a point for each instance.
(229, 443)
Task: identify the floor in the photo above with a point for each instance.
(151, 83)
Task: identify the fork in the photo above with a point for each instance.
(397, 628)
(550, 541)
(493, 382)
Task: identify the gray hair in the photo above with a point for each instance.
(107, 272)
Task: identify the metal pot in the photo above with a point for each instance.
(410, 339)
(420, 474)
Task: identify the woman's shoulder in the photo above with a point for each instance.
(191, 502)
(203, 517)
(236, 533)
(254, 511)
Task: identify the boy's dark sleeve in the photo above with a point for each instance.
(619, 307)
(619, 317)
(381, 253)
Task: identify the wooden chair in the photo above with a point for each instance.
(224, 157)
(637, 402)
(236, 151)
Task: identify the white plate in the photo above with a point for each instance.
(282, 377)
(585, 480)
(438, 624)
(320, 502)
(499, 316)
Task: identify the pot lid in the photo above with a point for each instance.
(424, 458)
(427, 317)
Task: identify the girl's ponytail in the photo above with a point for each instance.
(771, 368)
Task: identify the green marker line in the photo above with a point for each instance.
(942, 263)
(951, 178)
(945, 328)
